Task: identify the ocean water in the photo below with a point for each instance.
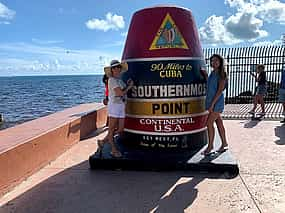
(29, 97)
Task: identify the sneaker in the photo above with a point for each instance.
(262, 113)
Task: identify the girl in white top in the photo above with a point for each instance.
(116, 104)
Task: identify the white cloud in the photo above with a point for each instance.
(6, 14)
(23, 58)
(244, 25)
(268, 10)
(112, 22)
(235, 3)
(214, 32)
(272, 11)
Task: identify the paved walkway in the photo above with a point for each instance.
(240, 111)
(67, 185)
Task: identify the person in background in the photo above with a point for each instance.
(1, 119)
(215, 102)
(261, 90)
(117, 89)
(105, 81)
(282, 93)
(106, 98)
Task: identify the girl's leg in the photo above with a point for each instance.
(109, 136)
(222, 132)
(211, 131)
(113, 122)
(261, 101)
(255, 100)
(101, 142)
(283, 121)
(113, 125)
(106, 138)
(121, 126)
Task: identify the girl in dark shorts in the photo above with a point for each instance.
(282, 93)
(261, 89)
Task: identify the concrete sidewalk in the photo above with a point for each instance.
(67, 185)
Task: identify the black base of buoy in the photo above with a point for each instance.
(134, 159)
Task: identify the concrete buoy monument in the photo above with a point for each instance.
(165, 113)
(165, 109)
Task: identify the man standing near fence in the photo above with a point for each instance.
(282, 92)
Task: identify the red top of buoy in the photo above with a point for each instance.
(162, 31)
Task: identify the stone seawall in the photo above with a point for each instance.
(27, 147)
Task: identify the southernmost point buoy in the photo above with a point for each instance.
(165, 123)
(166, 107)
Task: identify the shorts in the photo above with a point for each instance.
(261, 90)
(219, 105)
(282, 95)
(116, 110)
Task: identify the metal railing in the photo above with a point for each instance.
(241, 62)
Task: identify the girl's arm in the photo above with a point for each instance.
(254, 75)
(258, 78)
(261, 76)
(221, 87)
(122, 92)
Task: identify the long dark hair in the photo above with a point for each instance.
(222, 68)
(105, 79)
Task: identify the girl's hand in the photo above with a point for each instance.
(204, 73)
(130, 82)
(105, 101)
(252, 73)
(211, 109)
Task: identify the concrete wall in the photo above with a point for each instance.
(27, 147)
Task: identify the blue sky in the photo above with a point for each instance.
(63, 37)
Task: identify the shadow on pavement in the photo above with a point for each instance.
(79, 189)
(251, 123)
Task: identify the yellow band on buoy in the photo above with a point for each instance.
(167, 107)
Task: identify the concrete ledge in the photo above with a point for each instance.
(25, 148)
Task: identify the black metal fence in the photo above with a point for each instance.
(241, 62)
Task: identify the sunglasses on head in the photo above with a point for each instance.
(117, 66)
